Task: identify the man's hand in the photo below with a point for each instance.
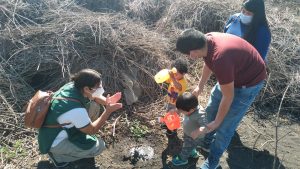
(213, 125)
(196, 133)
(196, 91)
(206, 72)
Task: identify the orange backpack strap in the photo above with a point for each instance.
(56, 125)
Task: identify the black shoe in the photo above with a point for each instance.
(204, 146)
(171, 133)
(163, 126)
(56, 164)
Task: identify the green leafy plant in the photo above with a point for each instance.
(13, 152)
(138, 130)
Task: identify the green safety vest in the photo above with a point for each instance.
(46, 136)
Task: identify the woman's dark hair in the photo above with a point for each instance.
(86, 77)
(190, 39)
(257, 7)
(186, 101)
(181, 65)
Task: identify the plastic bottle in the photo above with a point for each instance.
(171, 119)
(163, 75)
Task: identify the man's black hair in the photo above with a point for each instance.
(186, 101)
(181, 65)
(190, 39)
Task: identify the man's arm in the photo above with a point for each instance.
(206, 72)
(227, 98)
(202, 130)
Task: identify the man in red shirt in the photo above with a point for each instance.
(240, 72)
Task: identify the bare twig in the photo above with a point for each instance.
(114, 130)
(2, 159)
(114, 125)
(277, 126)
(268, 141)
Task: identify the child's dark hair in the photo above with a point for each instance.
(86, 77)
(181, 65)
(190, 39)
(186, 101)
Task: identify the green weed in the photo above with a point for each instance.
(16, 151)
(138, 130)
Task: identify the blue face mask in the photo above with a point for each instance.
(245, 19)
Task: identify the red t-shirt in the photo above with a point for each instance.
(231, 58)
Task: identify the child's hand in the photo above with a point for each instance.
(161, 86)
(172, 75)
(173, 111)
(196, 133)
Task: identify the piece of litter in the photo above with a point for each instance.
(143, 152)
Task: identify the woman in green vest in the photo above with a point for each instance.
(68, 132)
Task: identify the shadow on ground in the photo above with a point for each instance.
(86, 163)
(241, 157)
(173, 148)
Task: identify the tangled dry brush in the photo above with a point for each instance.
(44, 42)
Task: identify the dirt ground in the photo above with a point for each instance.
(252, 147)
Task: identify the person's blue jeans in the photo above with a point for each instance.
(221, 137)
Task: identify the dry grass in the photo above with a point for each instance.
(43, 43)
(206, 16)
(149, 11)
(73, 41)
(103, 5)
(283, 62)
(70, 38)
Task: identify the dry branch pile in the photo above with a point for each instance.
(149, 11)
(103, 5)
(14, 14)
(43, 42)
(206, 16)
(72, 38)
(283, 62)
(71, 41)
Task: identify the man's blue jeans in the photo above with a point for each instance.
(221, 137)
